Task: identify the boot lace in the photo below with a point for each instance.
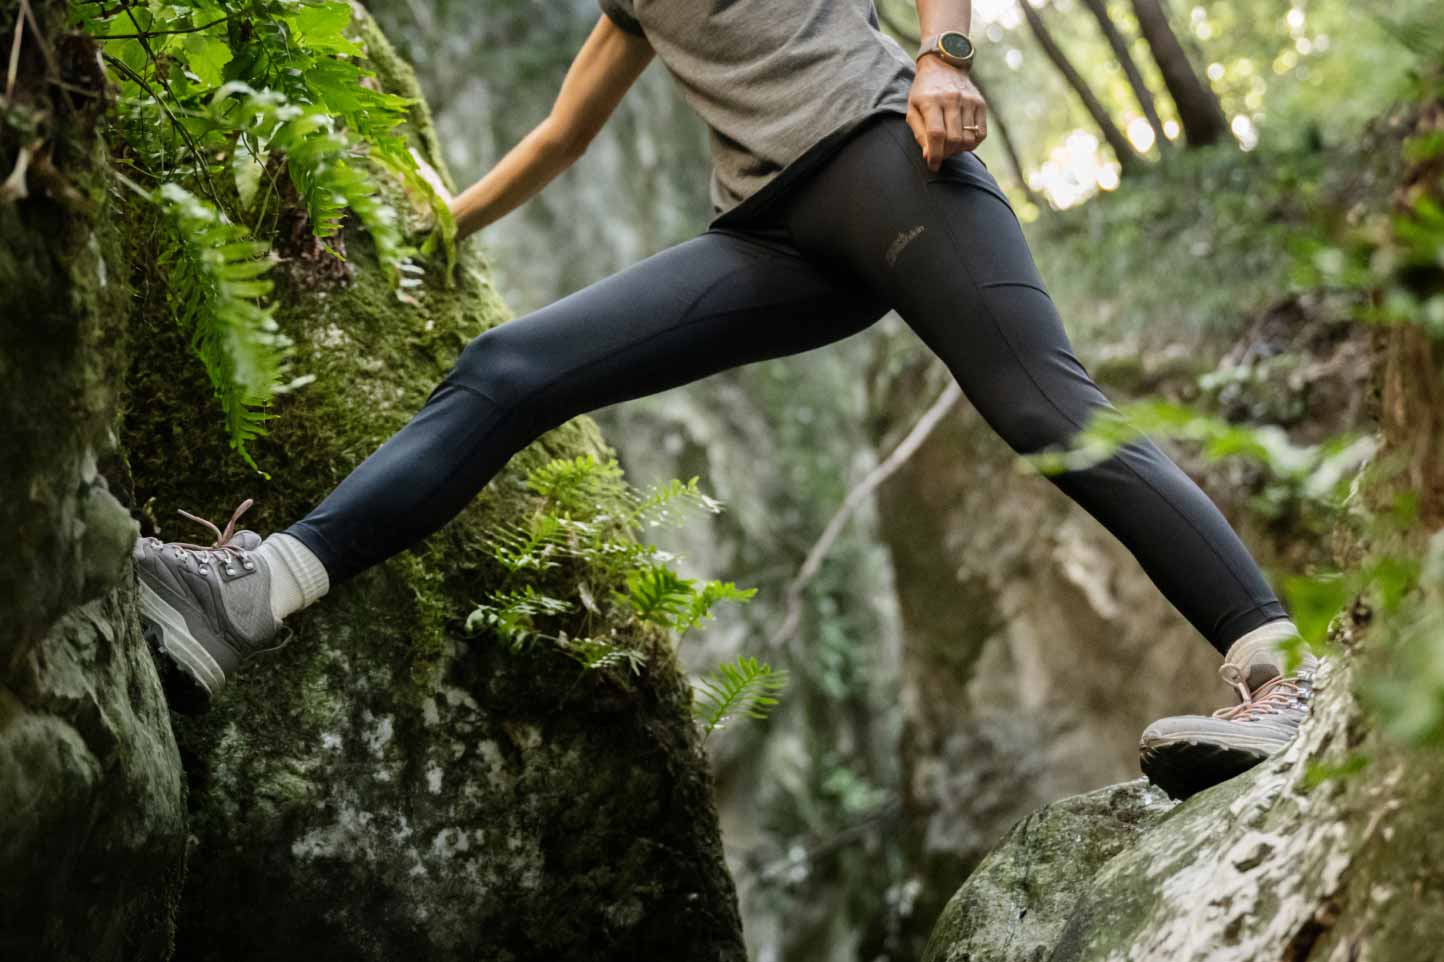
(221, 548)
(1273, 697)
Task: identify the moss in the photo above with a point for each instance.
(386, 786)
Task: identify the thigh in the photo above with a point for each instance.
(946, 250)
(714, 302)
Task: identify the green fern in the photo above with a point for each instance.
(742, 688)
(217, 276)
(208, 94)
(583, 486)
(670, 503)
(590, 513)
(658, 594)
(512, 615)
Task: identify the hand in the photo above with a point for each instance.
(943, 101)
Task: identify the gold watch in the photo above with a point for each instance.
(952, 46)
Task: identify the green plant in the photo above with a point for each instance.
(231, 114)
(577, 577)
(741, 688)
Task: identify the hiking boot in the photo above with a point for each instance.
(205, 609)
(1185, 754)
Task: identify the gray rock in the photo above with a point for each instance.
(1015, 904)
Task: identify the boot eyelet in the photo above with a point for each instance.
(230, 571)
(205, 569)
(249, 566)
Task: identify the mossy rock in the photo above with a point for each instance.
(1017, 901)
(386, 786)
(92, 813)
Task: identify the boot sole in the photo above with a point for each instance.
(1185, 768)
(189, 675)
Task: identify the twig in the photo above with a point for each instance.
(15, 55)
(161, 33)
(195, 149)
(884, 469)
(55, 74)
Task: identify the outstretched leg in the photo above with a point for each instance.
(711, 303)
(949, 254)
(717, 301)
(947, 251)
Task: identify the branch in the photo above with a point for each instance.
(146, 34)
(885, 469)
(186, 134)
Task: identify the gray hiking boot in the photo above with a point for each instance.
(205, 609)
(1185, 754)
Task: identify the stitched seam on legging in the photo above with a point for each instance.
(1018, 284)
(684, 321)
(1002, 332)
(508, 411)
(468, 388)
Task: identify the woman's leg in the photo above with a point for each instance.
(711, 303)
(947, 251)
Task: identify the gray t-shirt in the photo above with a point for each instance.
(776, 81)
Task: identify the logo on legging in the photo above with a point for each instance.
(902, 240)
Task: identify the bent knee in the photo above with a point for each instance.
(497, 365)
(1032, 426)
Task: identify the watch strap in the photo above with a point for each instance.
(929, 44)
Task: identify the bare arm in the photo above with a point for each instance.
(943, 100)
(608, 63)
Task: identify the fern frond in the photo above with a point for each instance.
(700, 608)
(597, 653)
(742, 688)
(657, 594)
(670, 504)
(582, 486)
(216, 278)
(511, 615)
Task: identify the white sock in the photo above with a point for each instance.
(1262, 648)
(297, 576)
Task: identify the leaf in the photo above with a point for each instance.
(742, 688)
(207, 56)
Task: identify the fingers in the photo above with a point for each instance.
(937, 134)
(919, 127)
(954, 116)
(975, 113)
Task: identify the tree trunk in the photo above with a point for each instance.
(1128, 158)
(1099, 9)
(1198, 108)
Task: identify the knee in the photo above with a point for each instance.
(497, 365)
(1031, 426)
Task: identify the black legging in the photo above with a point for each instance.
(869, 230)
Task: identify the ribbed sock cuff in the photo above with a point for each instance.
(308, 570)
(1264, 646)
(298, 576)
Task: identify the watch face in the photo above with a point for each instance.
(955, 45)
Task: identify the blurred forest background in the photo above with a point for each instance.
(1218, 195)
(972, 645)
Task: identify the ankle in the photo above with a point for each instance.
(1263, 653)
(298, 578)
